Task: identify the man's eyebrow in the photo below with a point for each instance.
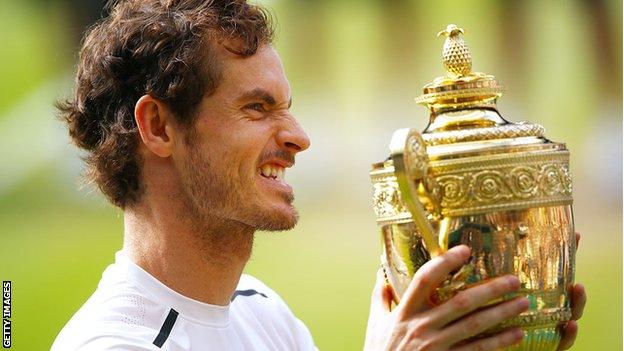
(261, 94)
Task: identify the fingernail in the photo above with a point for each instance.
(462, 249)
(514, 282)
(518, 334)
(523, 303)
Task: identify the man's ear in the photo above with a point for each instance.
(156, 125)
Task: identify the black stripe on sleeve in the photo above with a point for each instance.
(249, 292)
(165, 330)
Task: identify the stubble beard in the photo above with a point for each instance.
(214, 197)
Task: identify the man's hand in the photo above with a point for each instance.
(578, 300)
(415, 325)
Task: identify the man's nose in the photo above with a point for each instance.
(292, 137)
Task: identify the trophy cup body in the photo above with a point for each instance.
(472, 177)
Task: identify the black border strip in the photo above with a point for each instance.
(165, 330)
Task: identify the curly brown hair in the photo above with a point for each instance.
(164, 48)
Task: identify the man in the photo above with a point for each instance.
(183, 109)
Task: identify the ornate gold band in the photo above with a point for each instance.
(387, 202)
(502, 182)
(512, 130)
(481, 184)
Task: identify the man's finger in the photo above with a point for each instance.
(473, 298)
(504, 339)
(481, 321)
(579, 298)
(430, 276)
(569, 335)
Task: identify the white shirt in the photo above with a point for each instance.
(132, 310)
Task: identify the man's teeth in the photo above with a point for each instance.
(272, 171)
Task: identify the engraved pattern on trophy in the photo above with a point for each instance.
(516, 130)
(416, 156)
(507, 182)
(512, 184)
(386, 200)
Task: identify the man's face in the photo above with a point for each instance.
(232, 163)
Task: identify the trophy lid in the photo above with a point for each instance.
(460, 88)
(464, 116)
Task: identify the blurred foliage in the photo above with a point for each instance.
(30, 49)
(354, 67)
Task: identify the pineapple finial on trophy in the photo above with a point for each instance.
(460, 88)
(455, 54)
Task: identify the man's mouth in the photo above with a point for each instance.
(273, 174)
(272, 171)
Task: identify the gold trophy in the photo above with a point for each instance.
(474, 178)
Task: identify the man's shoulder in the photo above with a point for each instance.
(123, 316)
(113, 319)
(254, 297)
(105, 337)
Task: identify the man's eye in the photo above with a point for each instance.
(255, 106)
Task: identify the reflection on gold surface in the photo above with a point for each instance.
(535, 244)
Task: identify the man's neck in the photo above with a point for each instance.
(201, 261)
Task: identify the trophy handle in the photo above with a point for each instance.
(409, 155)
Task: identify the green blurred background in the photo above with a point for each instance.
(355, 67)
